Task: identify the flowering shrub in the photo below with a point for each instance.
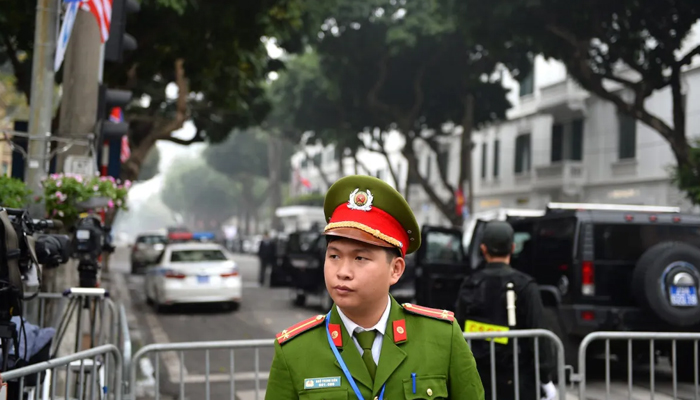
(13, 192)
(63, 191)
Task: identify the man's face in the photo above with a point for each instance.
(359, 274)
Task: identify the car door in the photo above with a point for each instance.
(440, 267)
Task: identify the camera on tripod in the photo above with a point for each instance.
(22, 255)
(91, 239)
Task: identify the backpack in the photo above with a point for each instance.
(483, 298)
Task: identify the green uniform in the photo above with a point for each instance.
(432, 347)
(423, 353)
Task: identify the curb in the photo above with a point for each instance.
(119, 292)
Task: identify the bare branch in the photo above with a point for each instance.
(382, 150)
(689, 57)
(372, 96)
(321, 172)
(434, 146)
(185, 142)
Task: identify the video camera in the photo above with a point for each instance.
(22, 255)
(91, 239)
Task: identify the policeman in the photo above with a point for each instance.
(368, 346)
(482, 305)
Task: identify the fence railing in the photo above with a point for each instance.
(105, 381)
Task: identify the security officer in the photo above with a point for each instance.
(482, 306)
(369, 346)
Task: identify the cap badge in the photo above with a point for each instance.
(360, 200)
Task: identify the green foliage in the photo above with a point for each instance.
(62, 193)
(13, 193)
(243, 153)
(192, 188)
(314, 199)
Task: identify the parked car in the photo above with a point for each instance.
(148, 246)
(193, 273)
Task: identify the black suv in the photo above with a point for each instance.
(612, 268)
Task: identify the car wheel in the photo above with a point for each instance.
(300, 300)
(660, 267)
(233, 306)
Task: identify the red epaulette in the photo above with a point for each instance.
(297, 329)
(429, 312)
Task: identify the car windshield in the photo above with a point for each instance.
(155, 239)
(199, 255)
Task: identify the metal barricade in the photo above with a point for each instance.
(124, 346)
(181, 377)
(88, 364)
(516, 335)
(47, 309)
(651, 339)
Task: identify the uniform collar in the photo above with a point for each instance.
(380, 326)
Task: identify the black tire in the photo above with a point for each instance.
(654, 272)
(135, 268)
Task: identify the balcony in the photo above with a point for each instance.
(567, 175)
(565, 96)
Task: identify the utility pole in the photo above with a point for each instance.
(41, 99)
(81, 70)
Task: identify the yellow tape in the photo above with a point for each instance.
(478, 327)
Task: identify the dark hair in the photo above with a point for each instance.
(391, 252)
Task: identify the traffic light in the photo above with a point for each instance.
(119, 40)
(110, 128)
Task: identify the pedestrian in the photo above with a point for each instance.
(482, 305)
(369, 346)
(267, 256)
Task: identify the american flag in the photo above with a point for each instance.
(102, 11)
(117, 116)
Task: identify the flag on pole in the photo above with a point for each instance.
(102, 11)
(64, 35)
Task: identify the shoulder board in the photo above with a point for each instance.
(429, 312)
(297, 329)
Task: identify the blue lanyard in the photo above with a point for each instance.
(343, 366)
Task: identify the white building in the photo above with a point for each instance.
(560, 143)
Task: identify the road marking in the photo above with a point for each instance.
(170, 358)
(237, 377)
(250, 394)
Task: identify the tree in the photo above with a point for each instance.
(636, 46)
(245, 159)
(212, 50)
(388, 65)
(193, 189)
(150, 166)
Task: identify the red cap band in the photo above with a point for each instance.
(376, 222)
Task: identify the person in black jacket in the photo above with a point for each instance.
(267, 256)
(482, 305)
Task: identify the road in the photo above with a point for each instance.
(264, 312)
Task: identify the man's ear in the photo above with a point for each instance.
(398, 266)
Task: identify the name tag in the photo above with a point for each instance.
(477, 327)
(320, 383)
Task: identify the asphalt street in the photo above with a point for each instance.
(263, 313)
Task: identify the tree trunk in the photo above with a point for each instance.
(274, 189)
(465, 163)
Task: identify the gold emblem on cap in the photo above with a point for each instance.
(360, 200)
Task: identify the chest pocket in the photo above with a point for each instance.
(426, 387)
(324, 394)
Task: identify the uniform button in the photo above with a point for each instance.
(376, 397)
(429, 391)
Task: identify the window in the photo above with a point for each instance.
(5, 167)
(577, 140)
(557, 152)
(522, 154)
(496, 153)
(626, 242)
(627, 137)
(527, 85)
(554, 242)
(201, 255)
(153, 239)
(484, 149)
(443, 247)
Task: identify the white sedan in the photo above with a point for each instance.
(193, 273)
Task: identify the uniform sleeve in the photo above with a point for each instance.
(279, 383)
(463, 381)
(533, 319)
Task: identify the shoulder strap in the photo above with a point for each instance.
(299, 328)
(443, 315)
